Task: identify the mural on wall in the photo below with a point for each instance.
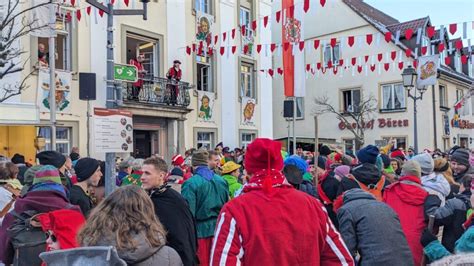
(204, 24)
(62, 94)
(248, 111)
(205, 106)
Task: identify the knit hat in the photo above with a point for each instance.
(263, 154)
(321, 162)
(28, 178)
(461, 156)
(85, 168)
(230, 167)
(411, 168)
(398, 154)
(74, 156)
(47, 173)
(53, 158)
(177, 160)
(298, 162)
(200, 158)
(368, 154)
(426, 163)
(324, 150)
(18, 158)
(342, 170)
(366, 173)
(177, 171)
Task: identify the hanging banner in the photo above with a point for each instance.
(205, 106)
(204, 26)
(427, 70)
(248, 111)
(113, 130)
(63, 90)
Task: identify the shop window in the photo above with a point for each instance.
(205, 140)
(331, 54)
(148, 47)
(351, 100)
(246, 138)
(400, 142)
(63, 139)
(203, 6)
(63, 43)
(443, 97)
(204, 73)
(393, 97)
(349, 145)
(247, 81)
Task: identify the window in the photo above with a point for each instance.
(203, 6)
(247, 81)
(245, 17)
(63, 43)
(331, 54)
(299, 107)
(246, 138)
(393, 96)
(400, 142)
(149, 47)
(459, 94)
(204, 73)
(443, 96)
(444, 53)
(205, 140)
(457, 62)
(63, 139)
(350, 100)
(349, 145)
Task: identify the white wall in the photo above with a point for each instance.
(265, 87)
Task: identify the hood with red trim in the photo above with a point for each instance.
(411, 192)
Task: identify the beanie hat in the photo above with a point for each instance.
(74, 156)
(366, 173)
(411, 168)
(85, 168)
(321, 162)
(324, 150)
(368, 154)
(177, 171)
(426, 163)
(298, 162)
(385, 160)
(263, 154)
(18, 159)
(230, 167)
(398, 154)
(461, 156)
(200, 158)
(342, 170)
(53, 158)
(177, 160)
(47, 173)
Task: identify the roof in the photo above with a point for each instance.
(371, 12)
(454, 74)
(412, 24)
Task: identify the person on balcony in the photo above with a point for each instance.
(174, 75)
(137, 86)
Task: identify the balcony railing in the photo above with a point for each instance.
(160, 91)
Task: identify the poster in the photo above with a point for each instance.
(427, 71)
(63, 90)
(248, 111)
(204, 24)
(113, 130)
(205, 106)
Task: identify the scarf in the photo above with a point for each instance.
(48, 186)
(266, 180)
(205, 172)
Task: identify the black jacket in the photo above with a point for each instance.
(174, 213)
(77, 196)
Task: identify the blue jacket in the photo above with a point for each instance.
(435, 251)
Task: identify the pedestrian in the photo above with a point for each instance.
(126, 220)
(57, 160)
(410, 153)
(137, 86)
(397, 167)
(8, 194)
(88, 176)
(19, 160)
(171, 209)
(46, 194)
(306, 184)
(124, 169)
(175, 179)
(178, 161)
(328, 187)
(9, 175)
(28, 179)
(134, 177)
(407, 198)
(371, 229)
(442, 167)
(460, 165)
(231, 173)
(174, 76)
(206, 193)
(258, 227)
(214, 162)
(434, 184)
(74, 157)
(367, 177)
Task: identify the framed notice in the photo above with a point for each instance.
(113, 130)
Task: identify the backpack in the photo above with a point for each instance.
(97, 256)
(27, 238)
(375, 190)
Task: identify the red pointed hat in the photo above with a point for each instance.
(263, 154)
(65, 225)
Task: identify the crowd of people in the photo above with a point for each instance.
(378, 205)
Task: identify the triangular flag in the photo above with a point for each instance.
(254, 25)
(333, 42)
(316, 44)
(322, 2)
(388, 36)
(101, 13)
(464, 59)
(386, 66)
(318, 66)
(78, 15)
(353, 61)
(453, 28)
(380, 57)
(408, 52)
(194, 47)
(234, 49)
(366, 58)
(188, 50)
(259, 48)
(210, 51)
(280, 71)
(222, 50)
(242, 30)
(372, 68)
(408, 33)
(246, 49)
(270, 72)
(286, 45)
(415, 63)
(350, 41)
(400, 65)
(88, 10)
(334, 70)
(73, 2)
(447, 60)
(369, 38)
(308, 67)
(301, 45)
(441, 47)
(277, 15)
(458, 44)
(265, 21)
(306, 6)
(430, 31)
(393, 55)
(126, 2)
(341, 62)
(291, 11)
(216, 37)
(224, 36)
(359, 69)
(272, 47)
(424, 49)
(233, 34)
(329, 64)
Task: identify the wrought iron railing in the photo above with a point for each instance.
(156, 90)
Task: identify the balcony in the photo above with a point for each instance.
(158, 91)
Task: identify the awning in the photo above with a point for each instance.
(19, 114)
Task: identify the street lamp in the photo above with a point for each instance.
(409, 76)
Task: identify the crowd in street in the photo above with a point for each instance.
(255, 205)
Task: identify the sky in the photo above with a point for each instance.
(441, 12)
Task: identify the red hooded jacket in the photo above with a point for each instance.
(65, 225)
(407, 197)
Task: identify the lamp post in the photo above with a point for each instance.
(409, 76)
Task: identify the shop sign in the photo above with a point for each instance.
(382, 123)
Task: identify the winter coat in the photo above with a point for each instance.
(308, 188)
(233, 184)
(97, 256)
(372, 229)
(258, 229)
(78, 197)
(173, 212)
(205, 198)
(40, 201)
(328, 188)
(435, 251)
(436, 184)
(452, 216)
(406, 197)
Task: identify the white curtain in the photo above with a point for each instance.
(400, 95)
(386, 93)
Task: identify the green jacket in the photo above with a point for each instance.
(133, 179)
(205, 199)
(233, 184)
